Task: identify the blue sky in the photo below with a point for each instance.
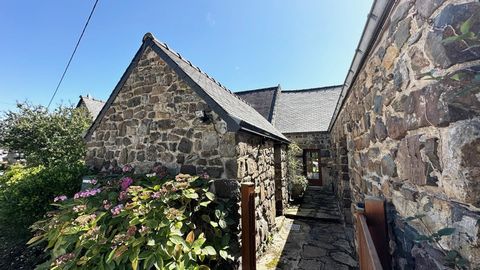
(243, 44)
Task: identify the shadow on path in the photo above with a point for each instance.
(311, 236)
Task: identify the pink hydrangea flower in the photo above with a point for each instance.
(86, 193)
(117, 209)
(127, 168)
(106, 204)
(126, 182)
(60, 198)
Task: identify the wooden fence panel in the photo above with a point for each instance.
(248, 226)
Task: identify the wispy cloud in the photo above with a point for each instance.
(210, 19)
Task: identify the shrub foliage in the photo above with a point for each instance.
(44, 137)
(26, 194)
(143, 222)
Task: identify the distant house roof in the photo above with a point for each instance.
(307, 110)
(236, 112)
(293, 111)
(93, 106)
(262, 100)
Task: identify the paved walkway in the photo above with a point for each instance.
(311, 236)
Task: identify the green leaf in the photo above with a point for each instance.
(223, 254)
(210, 196)
(451, 255)
(218, 214)
(445, 231)
(205, 203)
(465, 27)
(419, 216)
(422, 238)
(178, 240)
(191, 195)
(35, 239)
(222, 223)
(451, 39)
(209, 250)
(198, 243)
(214, 224)
(456, 77)
(151, 242)
(203, 267)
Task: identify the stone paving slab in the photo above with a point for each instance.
(316, 243)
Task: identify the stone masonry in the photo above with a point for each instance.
(152, 121)
(409, 130)
(256, 164)
(316, 140)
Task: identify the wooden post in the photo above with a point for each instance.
(248, 226)
(377, 225)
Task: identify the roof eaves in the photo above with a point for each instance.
(323, 88)
(376, 19)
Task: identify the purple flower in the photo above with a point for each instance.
(60, 198)
(126, 182)
(93, 181)
(117, 209)
(205, 176)
(127, 168)
(86, 193)
(156, 195)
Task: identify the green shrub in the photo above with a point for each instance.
(45, 137)
(26, 194)
(297, 182)
(149, 222)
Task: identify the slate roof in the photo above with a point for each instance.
(306, 110)
(262, 100)
(93, 106)
(236, 112)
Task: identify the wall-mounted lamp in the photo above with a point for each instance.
(204, 116)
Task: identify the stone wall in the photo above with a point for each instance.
(409, 130)
(256, 164)
(316, 140)
(152, 120)
(281, 180)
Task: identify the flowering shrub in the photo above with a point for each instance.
(147, 222)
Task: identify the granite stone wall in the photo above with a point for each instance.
(256, 164)
(316, 140)
(409, 130)
(281, 180)
(152, 121)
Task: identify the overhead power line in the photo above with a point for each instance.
(73, 54)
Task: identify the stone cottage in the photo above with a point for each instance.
(407, 128)
(303, 116)
(164, 110)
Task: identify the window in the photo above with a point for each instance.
(312, 164)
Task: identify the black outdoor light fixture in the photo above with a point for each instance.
(204, 116)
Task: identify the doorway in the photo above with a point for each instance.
(311, 166)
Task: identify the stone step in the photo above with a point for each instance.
(330, 216)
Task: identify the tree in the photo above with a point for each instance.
(44, 137)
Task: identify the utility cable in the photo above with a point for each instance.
(71, 57)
